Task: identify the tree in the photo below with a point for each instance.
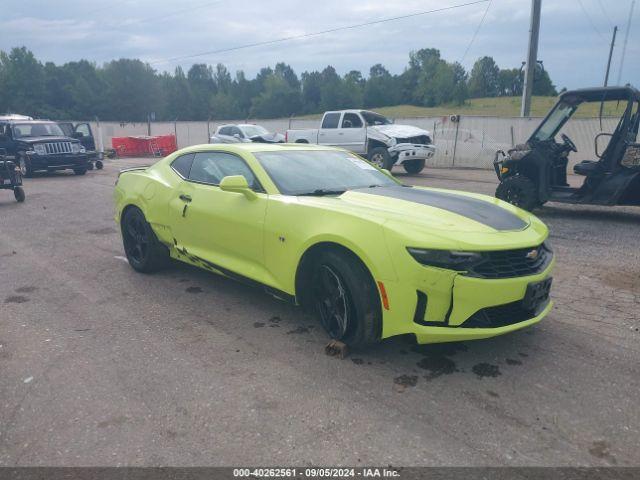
(380, 89)
(484, 80)
(132, 90)
(279, 99)
(22, 82)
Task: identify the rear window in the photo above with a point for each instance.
(182, 165)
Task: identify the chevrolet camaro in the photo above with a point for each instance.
(323, 228)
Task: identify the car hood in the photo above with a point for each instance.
(399, 131)
(426, 216)
(45, 139)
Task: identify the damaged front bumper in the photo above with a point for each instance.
(412, 151)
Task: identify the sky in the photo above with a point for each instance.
(574, 35)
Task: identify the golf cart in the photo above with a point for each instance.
(536, 172)
(10, 177)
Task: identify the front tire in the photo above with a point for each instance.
(18, 193)
(414, 167)
(144, 251)
(99, 164)
(346, 299)
(380, 157)
(519, 191)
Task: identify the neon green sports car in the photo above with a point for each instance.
(320, 227)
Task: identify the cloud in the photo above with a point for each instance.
(572, 51)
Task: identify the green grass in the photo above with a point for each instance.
(493, 107)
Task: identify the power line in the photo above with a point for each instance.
(606, 14)
(313, 34)
(475, 34)
(176, 12)
(626, 40)
(593, 25)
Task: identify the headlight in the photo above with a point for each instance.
(392, 141)
(449, 259)
(75, 148)
(40, 149)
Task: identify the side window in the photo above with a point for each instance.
(182, 165)
(351, 120)
(331, 120)
(211, 167)
(225, 131)
(83, 128)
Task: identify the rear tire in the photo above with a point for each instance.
(25, 166)
(346, 299)
(519, 191)
(18, 193)
(99, 164)
(380, 157)
(144, 251)
(413, 167)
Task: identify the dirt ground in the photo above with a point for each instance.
(100, 365)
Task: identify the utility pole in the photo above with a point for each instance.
(532, 58)
(606, 75)
(626, 39)
(613, 42)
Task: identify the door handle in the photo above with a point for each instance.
(185, 198)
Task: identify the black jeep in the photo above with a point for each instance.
(41, 145)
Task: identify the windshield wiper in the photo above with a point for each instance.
(320, 192)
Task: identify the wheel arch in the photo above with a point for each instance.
(304, 268)
(373, 143)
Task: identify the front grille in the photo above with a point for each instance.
(420, 140)
(501, 316)
(512, 263)
(57, 148)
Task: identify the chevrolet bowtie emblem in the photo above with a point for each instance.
(532, 255)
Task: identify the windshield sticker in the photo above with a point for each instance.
(360, 163)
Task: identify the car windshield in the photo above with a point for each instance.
(308, 172)
(21, 130)
(560, 114)
(253, 130)
(375, 119)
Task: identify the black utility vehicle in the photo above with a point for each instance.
(84, 133)
(10, 177)
(536, 172)
(41, 145)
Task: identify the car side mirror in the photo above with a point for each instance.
(597, 143)
(236, 135)
(237, 184)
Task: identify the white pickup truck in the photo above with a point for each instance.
(373, 136)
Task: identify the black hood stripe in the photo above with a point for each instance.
(483, 212)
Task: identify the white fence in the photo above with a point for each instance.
(471, 142)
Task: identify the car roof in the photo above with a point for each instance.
(257, 147)
(598, 94)
(26, 120)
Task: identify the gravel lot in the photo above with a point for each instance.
(100, 365)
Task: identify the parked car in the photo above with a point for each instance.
(41, 145)
(321, 227)
(84, 133)
(245, 133)
(373, 136)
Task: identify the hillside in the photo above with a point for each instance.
(495, 107)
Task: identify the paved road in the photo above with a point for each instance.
(100, 365)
